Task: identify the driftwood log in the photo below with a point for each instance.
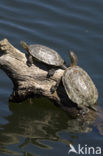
(31, 81)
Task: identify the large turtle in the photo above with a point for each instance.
(45, 55)
(78, 85)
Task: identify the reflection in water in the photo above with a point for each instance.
(99, 120)
(36, 120)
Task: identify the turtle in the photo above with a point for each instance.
(78, 85)
(45, 55)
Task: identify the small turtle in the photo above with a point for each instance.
(79, 86)
(45, 55)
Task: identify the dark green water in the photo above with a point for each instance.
(38, 128)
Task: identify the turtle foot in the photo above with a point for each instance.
(29, 64)
(84, 111)
(50, 73)
(53, 89)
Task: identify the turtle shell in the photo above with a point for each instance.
(46, 55)
(79, 86)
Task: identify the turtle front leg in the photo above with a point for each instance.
(30, 61)
(50, 73)
(54, 88)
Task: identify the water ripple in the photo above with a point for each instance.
(61, 25)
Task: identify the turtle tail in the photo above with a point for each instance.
(64, 66)
(24, 45)
(93, 108)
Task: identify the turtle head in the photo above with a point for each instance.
(24, 45)
(73, 59)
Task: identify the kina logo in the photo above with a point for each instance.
(85, 150)
(72, 149)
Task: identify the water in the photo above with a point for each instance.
(41, 129)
